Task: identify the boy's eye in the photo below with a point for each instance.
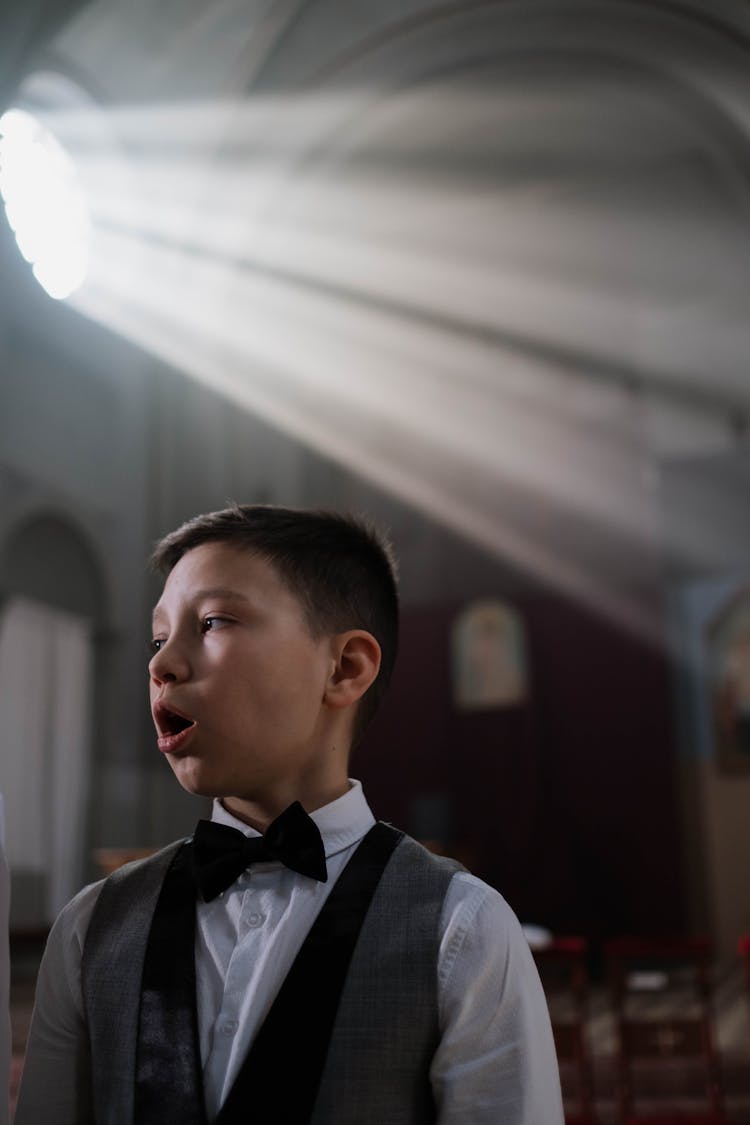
(155, 644)
(209, 624)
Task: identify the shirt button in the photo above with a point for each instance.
(229, 1027)
(254, 920)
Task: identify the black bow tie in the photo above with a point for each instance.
(221, 853)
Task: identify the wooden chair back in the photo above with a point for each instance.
(661, 996)
(563, 969)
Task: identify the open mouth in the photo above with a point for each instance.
(170, 723)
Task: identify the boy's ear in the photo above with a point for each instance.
(357, 663)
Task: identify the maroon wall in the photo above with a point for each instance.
(567, 804)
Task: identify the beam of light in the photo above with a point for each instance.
(484, 229)
(44, 203)
(380, 398)
(465, 336)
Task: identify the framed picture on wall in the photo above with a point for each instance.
(728, 650)
(489, 663)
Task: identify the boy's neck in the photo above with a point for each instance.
(258, 814)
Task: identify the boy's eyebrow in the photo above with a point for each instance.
(219, 592)
(211, 592)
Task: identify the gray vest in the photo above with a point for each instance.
(386, 1027)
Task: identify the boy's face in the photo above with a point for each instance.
(237, 686)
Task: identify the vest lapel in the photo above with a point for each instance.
(169, 1083)
(279, 1080)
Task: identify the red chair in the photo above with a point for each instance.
(562, 965)
(661, 996)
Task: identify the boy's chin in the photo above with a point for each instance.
(194, 781)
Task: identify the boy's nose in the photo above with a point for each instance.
(168, 664)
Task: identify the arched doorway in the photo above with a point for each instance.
(52, 603)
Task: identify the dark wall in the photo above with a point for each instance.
(566, 804)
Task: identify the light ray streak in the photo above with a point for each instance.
(449, 251)
(565, 324)
(383, 367)
(330, 381)
(447, 328)
(327, 427)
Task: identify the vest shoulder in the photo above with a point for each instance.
(138, 869)
(126, 900)
(137, 875)
(411, 851)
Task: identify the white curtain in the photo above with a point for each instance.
(4, 977)
(45, 696)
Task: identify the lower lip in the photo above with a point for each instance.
(172, 743)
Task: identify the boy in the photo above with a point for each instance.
(294, 961)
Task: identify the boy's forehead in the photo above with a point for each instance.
(220, 569)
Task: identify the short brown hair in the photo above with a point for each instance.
(340, 567)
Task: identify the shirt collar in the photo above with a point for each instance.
(342, 823)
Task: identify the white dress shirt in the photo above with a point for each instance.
(495, 1062)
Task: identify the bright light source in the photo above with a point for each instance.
(44, 203)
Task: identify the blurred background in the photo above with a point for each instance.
(480, 269)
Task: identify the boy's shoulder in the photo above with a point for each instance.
(73, 921)
(140, 868)
(414, 856)
(137, 882)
